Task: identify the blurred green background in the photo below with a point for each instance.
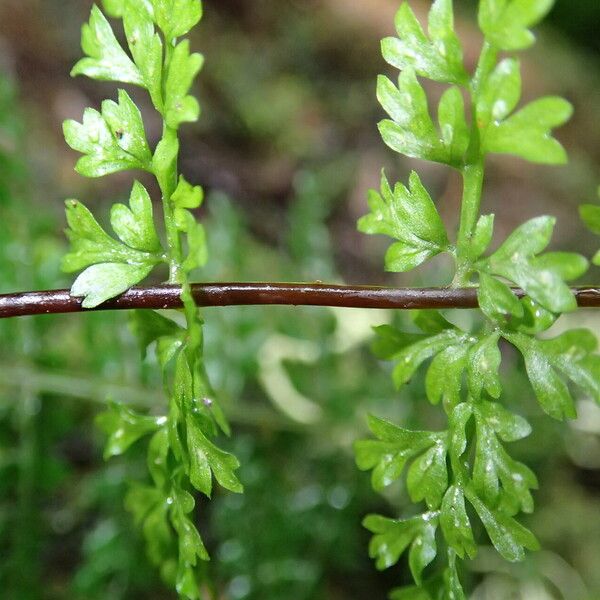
(287, 148)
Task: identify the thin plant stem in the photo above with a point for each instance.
(256, 294)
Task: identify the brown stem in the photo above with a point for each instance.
(294, 294)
